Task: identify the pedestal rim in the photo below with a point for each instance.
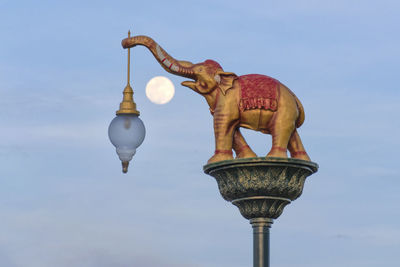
(267, 161)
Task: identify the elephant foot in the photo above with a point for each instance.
(220, 155)
(300, 155)
(245, 152)
(278, 152)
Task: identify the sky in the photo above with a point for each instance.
(63, 198)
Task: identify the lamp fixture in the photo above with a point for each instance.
(126, 130)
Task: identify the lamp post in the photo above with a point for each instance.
(259, 186)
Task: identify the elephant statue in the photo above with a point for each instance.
(253, 101)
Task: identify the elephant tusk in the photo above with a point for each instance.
(217, 78)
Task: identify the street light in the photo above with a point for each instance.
(126, 130)
(260, 187)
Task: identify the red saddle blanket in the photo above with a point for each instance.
(258, 92)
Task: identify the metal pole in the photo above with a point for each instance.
(261, 241)
(129, 60)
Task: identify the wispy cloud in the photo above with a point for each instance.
(68, 134)
(39, 238)
(373, 235)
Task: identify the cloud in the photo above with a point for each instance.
(42, 239)
(82, 134)
(374, 235)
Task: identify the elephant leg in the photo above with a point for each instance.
(281, 134)
(223, 131)
(241, 147)
(296, 148)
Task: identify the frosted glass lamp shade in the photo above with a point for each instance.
(126, 133)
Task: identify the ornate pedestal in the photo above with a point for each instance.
(261, 188)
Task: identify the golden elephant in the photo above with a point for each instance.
(254, 101)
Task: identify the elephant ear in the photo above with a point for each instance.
(225, 80)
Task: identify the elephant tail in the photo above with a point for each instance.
(300, 119)
(302, 115)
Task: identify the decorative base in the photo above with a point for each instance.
(261, 187)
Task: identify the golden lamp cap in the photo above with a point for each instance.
(128, 106)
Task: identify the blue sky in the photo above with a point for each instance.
(63, 199)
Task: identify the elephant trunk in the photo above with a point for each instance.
(166, 61)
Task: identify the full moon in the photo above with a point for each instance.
(160, 90)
